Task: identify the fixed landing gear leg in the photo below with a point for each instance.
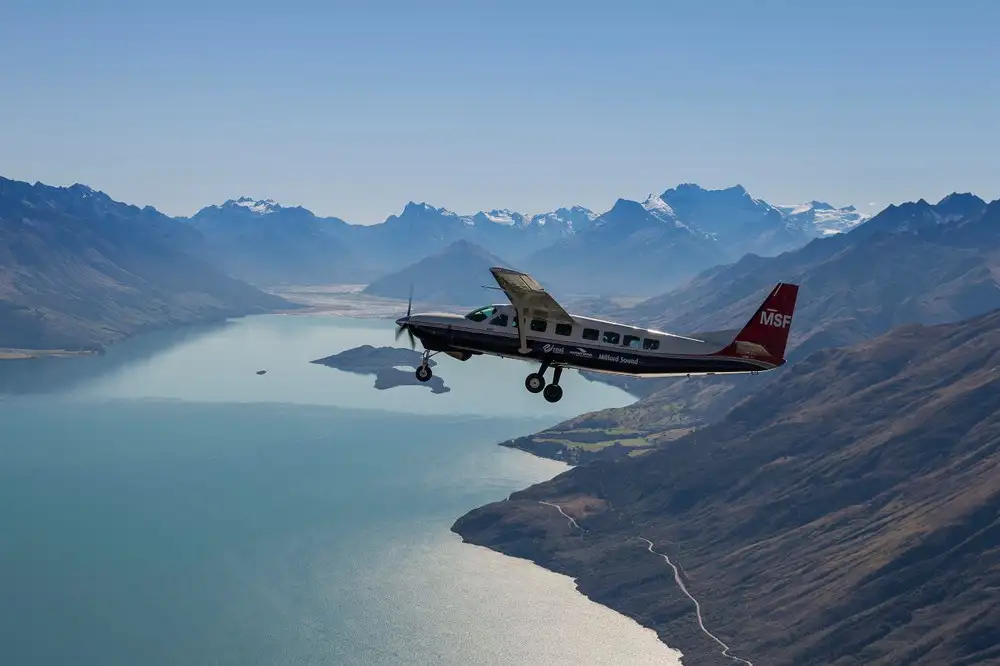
(535, 382)
(424, 369)
(553, 392)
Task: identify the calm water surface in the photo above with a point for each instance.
(165, 505)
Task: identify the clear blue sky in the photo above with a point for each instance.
(353, 109)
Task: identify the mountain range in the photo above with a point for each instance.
(847, 514)
(79, 271)
(667, 238)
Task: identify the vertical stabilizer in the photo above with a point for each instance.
(766, 334)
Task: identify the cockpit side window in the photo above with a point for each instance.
(499, 320)
(482, 314)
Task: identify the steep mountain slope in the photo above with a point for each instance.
(854, 285)
(455, 276)
(910, 263)
(79, 270)
(849, 514)
(268, 244)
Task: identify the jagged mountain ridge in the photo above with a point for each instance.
(645, 245)
(79, 271)
(847, 514)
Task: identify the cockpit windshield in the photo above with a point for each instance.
(482, 314)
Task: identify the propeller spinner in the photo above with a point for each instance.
(404, 322)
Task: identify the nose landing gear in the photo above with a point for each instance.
(535, 383)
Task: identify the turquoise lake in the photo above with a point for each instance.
(163, 504)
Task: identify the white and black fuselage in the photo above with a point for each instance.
(534, 327)
(587, 344)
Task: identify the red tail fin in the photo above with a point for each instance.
(767, 331)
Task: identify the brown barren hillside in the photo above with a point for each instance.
(848, 514)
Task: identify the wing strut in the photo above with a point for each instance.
(522, 330)
(529, 300)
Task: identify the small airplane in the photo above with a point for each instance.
(535, 328)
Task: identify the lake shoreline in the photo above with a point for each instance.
(523, 526)
(348, 301)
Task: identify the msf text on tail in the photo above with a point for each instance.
(534, 327)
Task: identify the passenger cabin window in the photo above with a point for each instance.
(482, 314)
(539, 325)
(591, 334)
(632, 341)
(650, 344)
(499, 320)
(611, 337)
(564, 329)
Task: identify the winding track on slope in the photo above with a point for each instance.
(677, 578)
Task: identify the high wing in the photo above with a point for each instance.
(529, 299)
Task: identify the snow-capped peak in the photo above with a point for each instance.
(259, 206)
(503, 216)
(569, 220)
(654, 203)
(823, 217)
(661, 210)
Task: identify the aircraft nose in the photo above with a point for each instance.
(402, 320)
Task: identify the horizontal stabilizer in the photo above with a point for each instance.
(721, 338)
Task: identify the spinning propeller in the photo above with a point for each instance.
(405, 325)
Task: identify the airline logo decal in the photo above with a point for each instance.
(549, 348)
(775, 319)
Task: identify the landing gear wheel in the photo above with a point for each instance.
(535, 382)
(424, 373)
(553, 392)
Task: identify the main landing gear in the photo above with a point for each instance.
(424, 369)
(535, 383)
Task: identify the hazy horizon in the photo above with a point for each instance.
(353, 111)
